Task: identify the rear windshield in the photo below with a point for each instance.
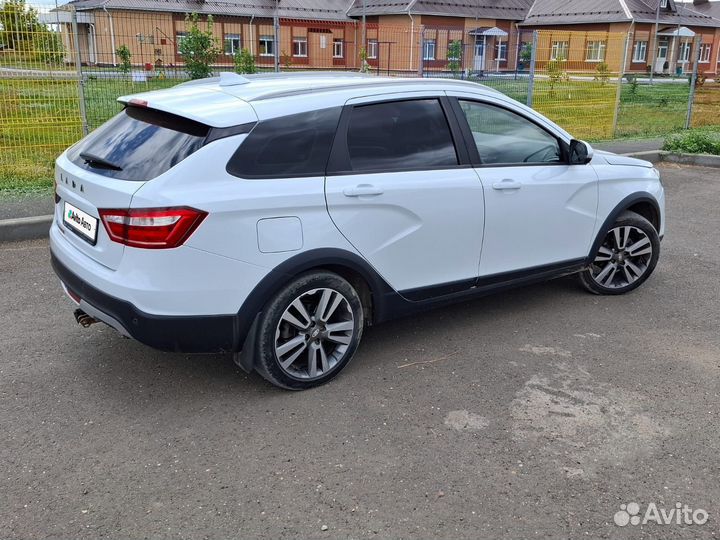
(139, 144)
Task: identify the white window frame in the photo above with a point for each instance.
(429, 49)
(338, 48)
(595, 51)
(269, 42)
(231, 38)
(179, 36)
(684, 52)
(705, 51)
(372, 48)
(559, 47)
(501, 49)
(640, 47)
(300, 47)
(663, 3)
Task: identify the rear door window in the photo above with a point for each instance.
(290, 146)
(400, 135)
(139, 144)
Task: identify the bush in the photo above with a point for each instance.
(199, 47)
(602, 73)
(124, 55)
(245, 62)
(696, 141)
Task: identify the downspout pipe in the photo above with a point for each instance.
(112, 34)
(252, 36)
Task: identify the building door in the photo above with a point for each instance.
(479, 60)
(662, 56)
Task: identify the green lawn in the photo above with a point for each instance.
(40, 118)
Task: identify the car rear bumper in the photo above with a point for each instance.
(204, 333)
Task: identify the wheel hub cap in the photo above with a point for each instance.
(314, 333)
(623, 257)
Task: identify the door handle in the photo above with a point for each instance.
(507, 183)
(362, 190)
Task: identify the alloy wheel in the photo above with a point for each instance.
(314, 333)
(623, 257)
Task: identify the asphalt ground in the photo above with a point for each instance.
(535, 413)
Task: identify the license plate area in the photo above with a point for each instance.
(81, 223)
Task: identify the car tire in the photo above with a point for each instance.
(626, 257)
(309, 331)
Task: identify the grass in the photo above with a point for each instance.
(40, 118)
(694, 141)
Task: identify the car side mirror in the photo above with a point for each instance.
(581, 152)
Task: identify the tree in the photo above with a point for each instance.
(124, 54)
(245, 62)
(21, 30)
(526, 53)
(454, 55)
(602, 73)
(198, 48)
(556, 73)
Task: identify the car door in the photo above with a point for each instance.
(540, 211)
(404, 194)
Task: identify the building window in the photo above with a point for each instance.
(372, 49)
(559, 50)
(338, 47)
(501, 50)
(429, 49)
(640, 51)
(299, 46)
(233, 44)
(705, 53)
(684, 55)
(663, 4)
(595, 51)
(267, 46)
(179, 36)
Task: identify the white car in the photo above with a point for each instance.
(275, 216)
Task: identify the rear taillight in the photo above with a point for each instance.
(151, 228)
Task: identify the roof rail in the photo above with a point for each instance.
(378, 82)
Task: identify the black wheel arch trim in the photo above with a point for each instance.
(623, 205)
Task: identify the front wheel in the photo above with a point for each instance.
(309, 331)
(626, 257)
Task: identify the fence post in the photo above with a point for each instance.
(693, 82)
(621, 72)
(78, 69)
(531, 77)
(421, 56)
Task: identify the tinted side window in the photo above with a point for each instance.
(400, 135)
(503, 137)
(294, 145)
(139, 144)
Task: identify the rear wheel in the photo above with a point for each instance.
(309, 331)
(626, 257)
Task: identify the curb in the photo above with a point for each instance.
(28, 228)
(663, 156)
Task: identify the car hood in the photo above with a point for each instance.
(616, 159)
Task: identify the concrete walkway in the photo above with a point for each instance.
(630, 145)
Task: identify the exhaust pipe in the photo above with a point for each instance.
(83, 319)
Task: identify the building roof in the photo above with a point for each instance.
(708, 7)
(322, 10)
(514, 10)
(567, 12)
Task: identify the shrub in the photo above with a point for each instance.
(454, 55)
(602, 73)
(199, 47)
(695, 141)
(124, 55)
(556, 73)
(245, 62)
